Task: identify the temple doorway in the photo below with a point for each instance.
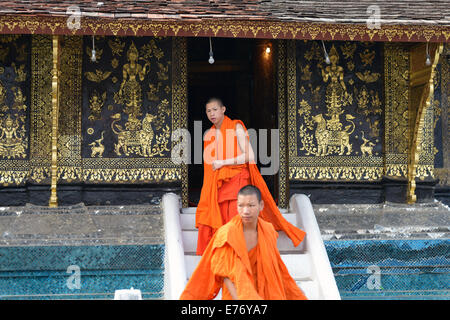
(243, 76)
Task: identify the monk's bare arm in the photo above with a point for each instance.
(231, 288)
(247, 154)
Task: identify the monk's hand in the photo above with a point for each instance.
(217, 164)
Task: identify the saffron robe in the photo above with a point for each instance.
(257, 274)
(222, 144)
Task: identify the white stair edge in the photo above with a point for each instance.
(322, 272)
(320, 284)
(175, 269)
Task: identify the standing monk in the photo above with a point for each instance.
(228, 166)
(242, 258)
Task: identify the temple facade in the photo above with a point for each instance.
(92, 101)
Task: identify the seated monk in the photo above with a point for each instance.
(228, 162)
(242, 258)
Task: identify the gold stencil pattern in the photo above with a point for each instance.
(235, 28)
(283, 185)
(334, 129)
(396, 117)
(14, 108)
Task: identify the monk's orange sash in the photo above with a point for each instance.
(227, 256)
(224, 145)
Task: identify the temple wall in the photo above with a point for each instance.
(344, 127)
(116, 116)
(348, 124)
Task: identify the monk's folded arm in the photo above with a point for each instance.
(231, 288)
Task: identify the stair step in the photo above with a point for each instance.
(189, 210)
(298, 265)
(284, 243)
(193, 209)
(191, 261)
(310, 289)
(187, 219)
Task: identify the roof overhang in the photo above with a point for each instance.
(155, 25)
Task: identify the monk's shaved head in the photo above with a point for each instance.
(249, 190)
(216, 100)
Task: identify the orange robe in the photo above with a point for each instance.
(218, 197)
(257, 274)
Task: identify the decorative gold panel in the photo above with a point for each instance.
(69, 129)
(335, 111)
(441, 122)
(396, 75)
(15, 95)
(283, 177)
(134, 97)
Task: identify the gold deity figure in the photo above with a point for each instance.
(9, 136)
(336, 91)
(130, 89)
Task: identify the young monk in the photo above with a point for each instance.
(242, 258)
(228, 166)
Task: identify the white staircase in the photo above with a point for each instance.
(306, 263)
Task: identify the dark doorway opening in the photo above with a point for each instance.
(243, 76)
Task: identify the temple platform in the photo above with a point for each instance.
(118, 247)
(143, 224)
(383, 221)
(81, 225)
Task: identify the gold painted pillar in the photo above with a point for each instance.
(55, 113)
(283, 178)
(421, 90)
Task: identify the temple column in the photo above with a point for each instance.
(421, 90)
(55, 112)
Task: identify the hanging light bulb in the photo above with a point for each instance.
(93, 57)
(267, 49)
(428, 61)
(211, 58)
(327, 58)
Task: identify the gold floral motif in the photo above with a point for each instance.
(336, 173)
(367, 76)
(19, 102)
(21, 74)
(97, 147)
(97, 76)
(96, 104)
(396, 66)
(367, 57)
(152, 94)
(367, 146)
(348, 50)
(3, 54)
(116, 46)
